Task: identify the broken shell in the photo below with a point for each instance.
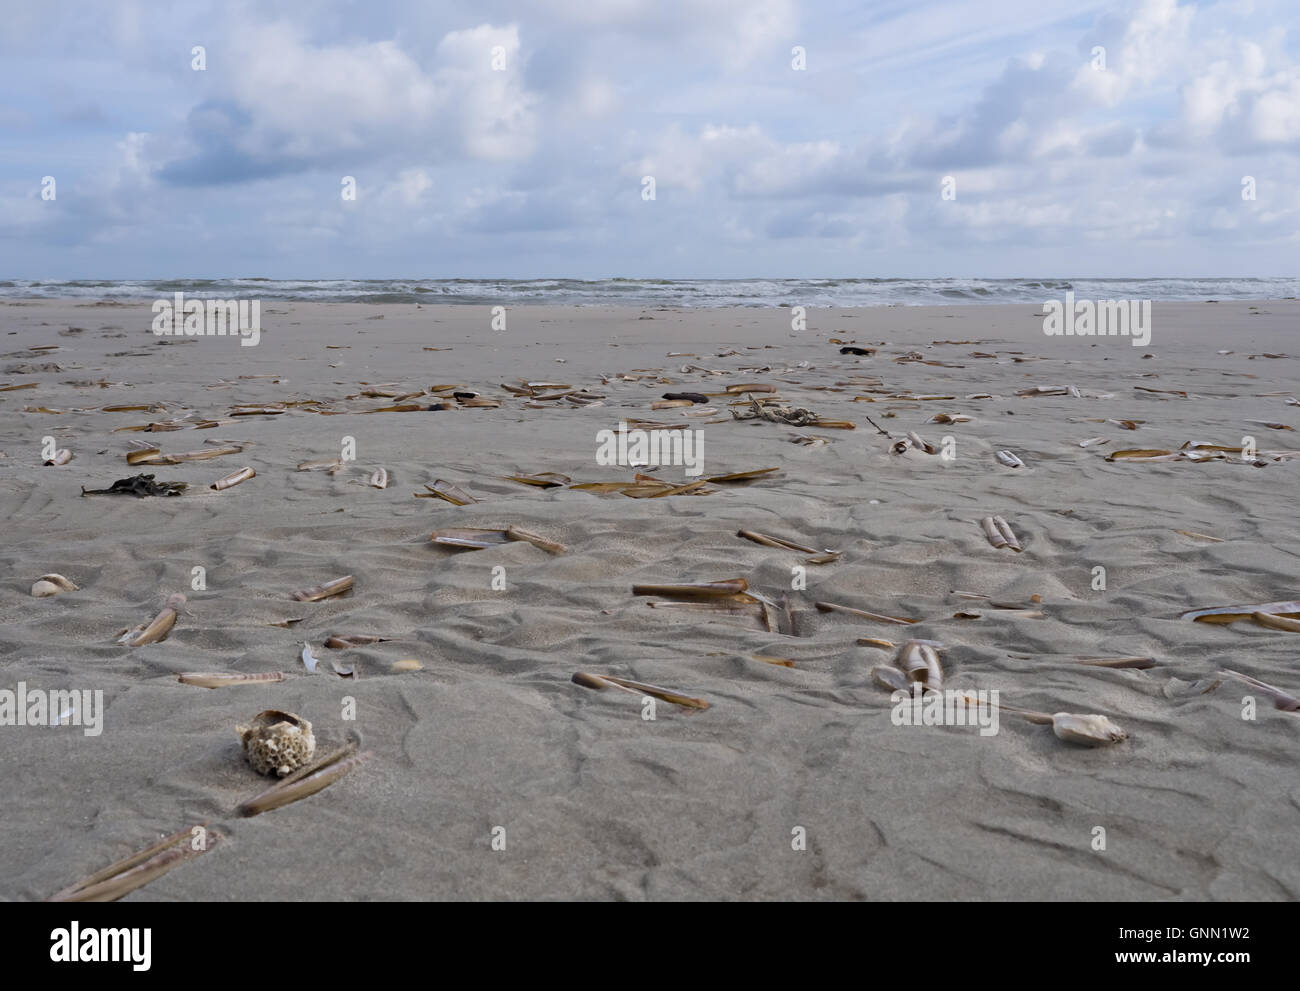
(61, 457)
(309, 659)
(277, 742)
(891, 678)
(52, 585)
(1091, 731)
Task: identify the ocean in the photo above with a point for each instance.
(663, 292)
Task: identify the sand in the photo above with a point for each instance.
(595, 801)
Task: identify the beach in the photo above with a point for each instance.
(489, 774)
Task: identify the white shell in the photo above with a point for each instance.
(1090, 731)
(308, 658)
(52, 585)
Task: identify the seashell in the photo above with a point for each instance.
(306, 780)
(1090, 731)
(124, 876)
(1010, 459)
(379, 478)
(891, 678)
(920, 443)
(277, 742)
(344, 669)
(61, 457)
(52, 585)
(336, 587)
(1276, 622)
(309, 659)
(407, 664)
(341, 641)
(233, 479)
(919, 661)
(159, 627)
(223, 679)
(999, 533)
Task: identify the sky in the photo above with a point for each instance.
(492, 139)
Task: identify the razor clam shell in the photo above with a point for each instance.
(233, 479)
(992, 532)
(328, 590)
(1229, 614)
(294, 787)
(136, 871)
(160, 626)
(220, 679)
(721, 589)
(1010, 459)
(1008, 534)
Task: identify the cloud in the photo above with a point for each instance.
(290, 105)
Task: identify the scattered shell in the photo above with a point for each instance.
(306, 780)
(408, 664)
(862, 613)
(308, 658)
(1009, 459)
(999, 533)
(336, 587)
(445, 490)
(219, 679)
(602, 682)
(342, 641)
(1091, 730)
(1276, 622)
(891, 678)
(61, 457)
(233, 479)
(379, 478)
(124, 876)
(52, 584)
(920, 662)
(159, 627)
(277, 742)
(1230, 614)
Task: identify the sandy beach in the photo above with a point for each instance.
(594, 801)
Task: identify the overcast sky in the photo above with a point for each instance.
(535, 169)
